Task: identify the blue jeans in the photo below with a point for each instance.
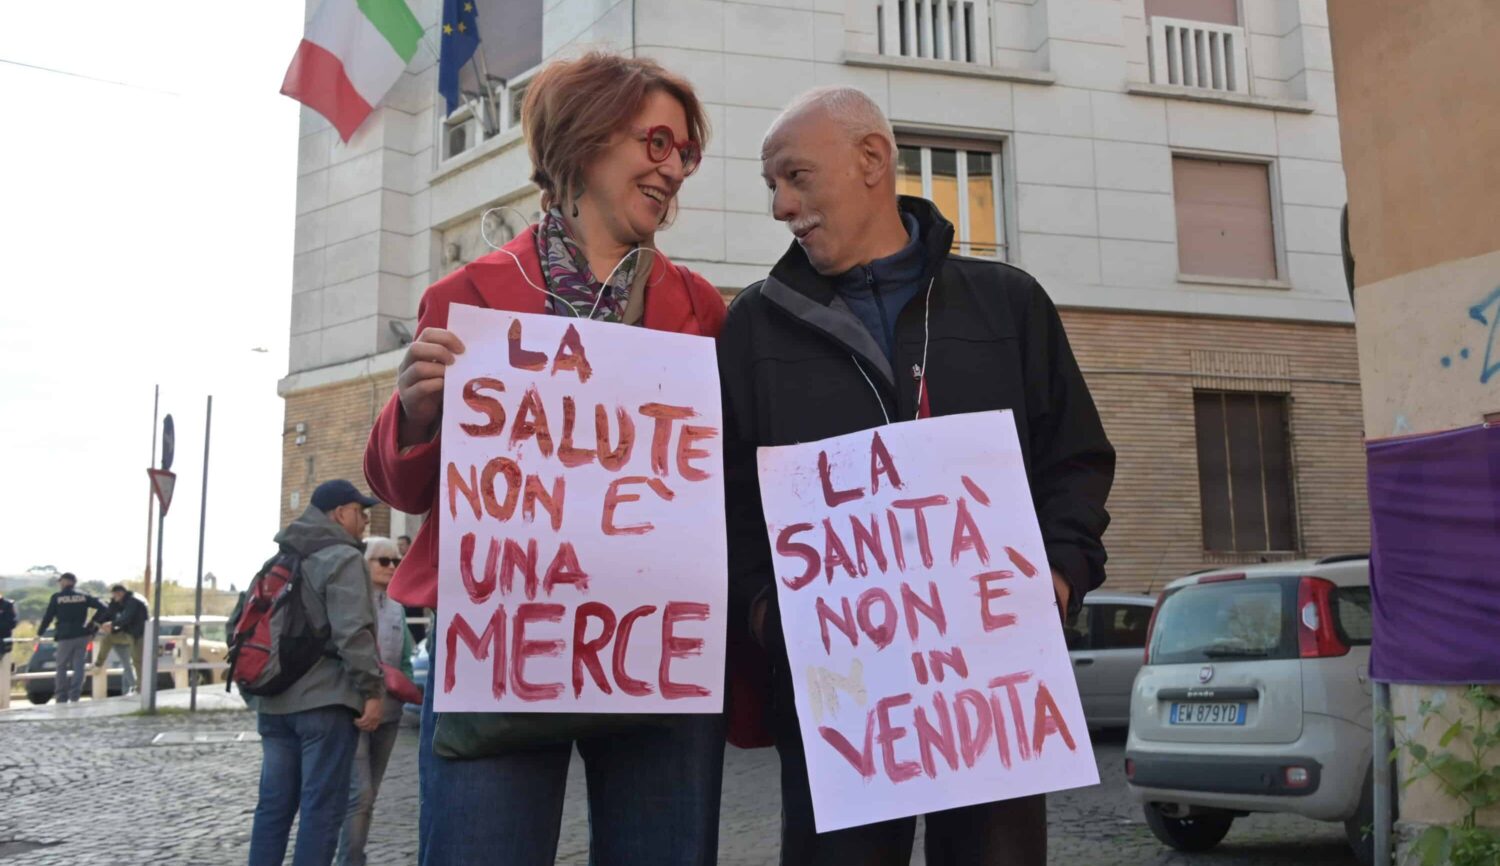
(306, 761)
(653, 797)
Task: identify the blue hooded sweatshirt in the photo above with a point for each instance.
(877, 293)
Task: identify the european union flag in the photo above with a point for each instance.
(460, 41)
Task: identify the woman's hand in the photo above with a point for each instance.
(420, 383)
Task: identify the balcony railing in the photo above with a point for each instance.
(1198, 54)
(956, 30)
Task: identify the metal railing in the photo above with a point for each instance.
(1198, 54)
(98, 678)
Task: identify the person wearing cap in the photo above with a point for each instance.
(310, 731)
(123, 629)
(70, 608)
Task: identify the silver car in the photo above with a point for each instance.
(1255, 697)
(1107, 642)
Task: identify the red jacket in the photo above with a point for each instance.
(677, 299)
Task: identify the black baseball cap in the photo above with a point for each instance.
(332, 494)
(119, 587)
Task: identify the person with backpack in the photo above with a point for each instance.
(70, 608)
(123, 630)
(306, 660)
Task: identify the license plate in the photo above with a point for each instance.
(1207, 714)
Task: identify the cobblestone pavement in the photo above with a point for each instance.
(96, 792)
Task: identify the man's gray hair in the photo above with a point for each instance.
(379, 545)
(850, 107)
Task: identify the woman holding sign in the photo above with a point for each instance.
(611, 139)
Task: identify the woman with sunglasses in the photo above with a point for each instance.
(611, 140)
(394, 646)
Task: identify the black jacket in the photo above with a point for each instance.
(7, 623)
(128, 616)
(794, 362)
(71, 610)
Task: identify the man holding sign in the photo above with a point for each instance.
(906, 586)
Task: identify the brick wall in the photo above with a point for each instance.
(338, 419)
(1141, 369)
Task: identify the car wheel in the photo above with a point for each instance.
(1359, 829)
(1194, 833)
(38, 698)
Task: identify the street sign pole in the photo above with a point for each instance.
(151, 493)
(153, 652)
(162, 484)
(208, 427)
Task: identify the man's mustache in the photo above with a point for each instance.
(803, 226)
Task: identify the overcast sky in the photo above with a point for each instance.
(145, 237)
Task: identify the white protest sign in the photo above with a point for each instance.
(581, 566)
(926, 651)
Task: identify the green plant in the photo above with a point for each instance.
(1467, 773)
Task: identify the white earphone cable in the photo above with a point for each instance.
(484, 235)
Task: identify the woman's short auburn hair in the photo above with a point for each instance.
(573, 108)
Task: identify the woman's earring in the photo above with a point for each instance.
(575, 208)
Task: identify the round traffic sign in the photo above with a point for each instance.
(168, 441)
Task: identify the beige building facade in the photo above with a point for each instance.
(1169, 171)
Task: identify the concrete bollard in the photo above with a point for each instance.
(149, 654)
(4, 677)
(100, 677)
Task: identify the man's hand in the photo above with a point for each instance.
(106, 628)
(371, 719)
(1064, 592)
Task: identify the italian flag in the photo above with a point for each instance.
(353, 53)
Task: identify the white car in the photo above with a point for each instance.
(1106, 641)
(177, 644)
(1255, 697)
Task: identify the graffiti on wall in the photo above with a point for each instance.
(1486, 313)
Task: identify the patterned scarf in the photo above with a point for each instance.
(568, 276)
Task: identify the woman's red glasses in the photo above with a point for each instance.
(660, 142)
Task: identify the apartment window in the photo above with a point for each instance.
(463, 130)
(964, 182)
(1224, 226)
(1211, 11)
(956, 30)
(1245, 472)
(1198, 43)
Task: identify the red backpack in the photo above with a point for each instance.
(273, 643)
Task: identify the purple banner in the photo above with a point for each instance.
(1435, 515)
